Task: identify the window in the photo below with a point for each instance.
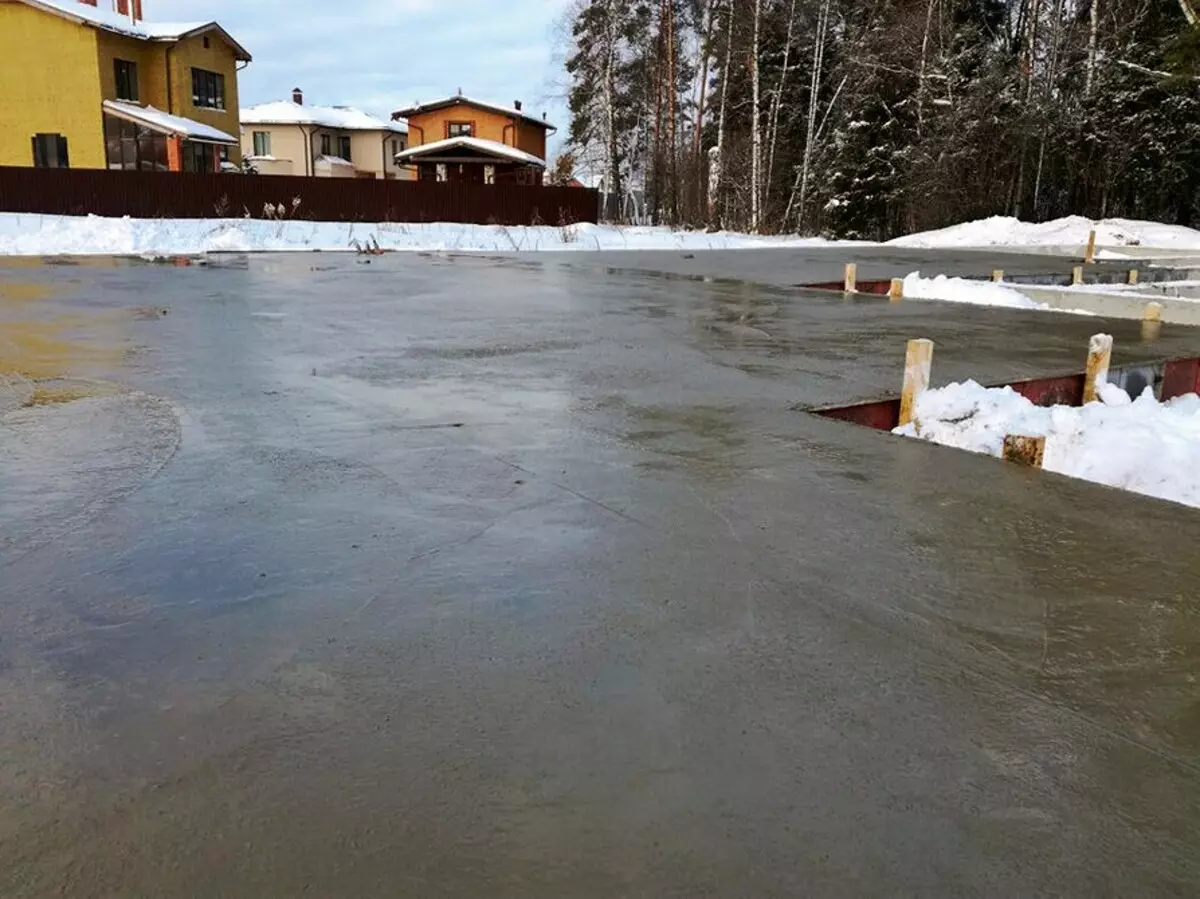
(395, 147)
(207, 44)
(442, 172)
(326, 145)
(262, 143)
(126, 79)
(208, 89)
(50, 151)
(489, 174)
(460, 129)
(344, 148)
(199, 157)
(133, 147)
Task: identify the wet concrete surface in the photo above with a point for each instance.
(476, 577)
(822, 264)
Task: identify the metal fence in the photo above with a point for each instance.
(187, 195)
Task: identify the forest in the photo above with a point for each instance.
(873, 118)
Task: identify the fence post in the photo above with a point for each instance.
(1077, 275)
(896, 291)
(918, 361)
(851, 282)
(1132, 277)
(1098, 360)
(998, 275)
(1030, 451)
(1090, 255)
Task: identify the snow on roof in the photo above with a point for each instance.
(416, 108)
(164, 122)
(334, 160)
(110, 20)
(341, 118)
(491, 147)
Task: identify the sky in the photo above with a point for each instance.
(383, 54)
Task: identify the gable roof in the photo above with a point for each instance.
(478, 144)
(337, 118)
(408, 112)
(109, 20)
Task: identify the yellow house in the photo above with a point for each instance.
(290, 138)
(89, 84)
(460, 139)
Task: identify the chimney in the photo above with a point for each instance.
(297, 96)
(517, 105)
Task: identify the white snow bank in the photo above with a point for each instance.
(1142, 445)
(56, 235)
(978, 293)
(1005, 231)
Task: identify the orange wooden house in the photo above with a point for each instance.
(463, 140)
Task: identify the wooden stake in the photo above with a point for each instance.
(1153, 312)
(918, 361)
(851, 285)
(1099, 358)
(896, 291)
(998, 275)
(1090, 256)
(1077, 275)
(1133, 276)
(1029, 451)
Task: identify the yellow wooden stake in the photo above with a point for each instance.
(918, 361)
(851, 285)
(1099, 358)
(998, 275)
(1029, 451)
(1153, 312)
(896, 291)
(1090, 255)
(1077, 275)
(1133, 276)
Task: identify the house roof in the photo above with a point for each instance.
(339, 118)
(109, 20)
(408, 112)
(165, 123)
(430, 152)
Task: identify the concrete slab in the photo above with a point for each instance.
(494, 578)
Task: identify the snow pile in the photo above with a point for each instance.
(1141, 445)
(1005, 231)
(961, 290)
(56, 235)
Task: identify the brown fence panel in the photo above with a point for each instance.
(186, 195)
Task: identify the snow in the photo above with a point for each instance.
(977, 293)
(24, 234)
(482, 145)
(108, 18)
(1005, 231)
(1141, 445)
(961, 290)
(339, 118)
(158, 120)
(418, 107)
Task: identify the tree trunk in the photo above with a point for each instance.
(756, 122)
(1093, 44)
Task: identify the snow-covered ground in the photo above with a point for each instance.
(49, 235)
(1008, 232)
(1141, 445)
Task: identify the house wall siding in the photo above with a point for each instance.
(218, 57)
(531, 138)
(288, 148)
(49, 83)
(488, 125)
(151, 67)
